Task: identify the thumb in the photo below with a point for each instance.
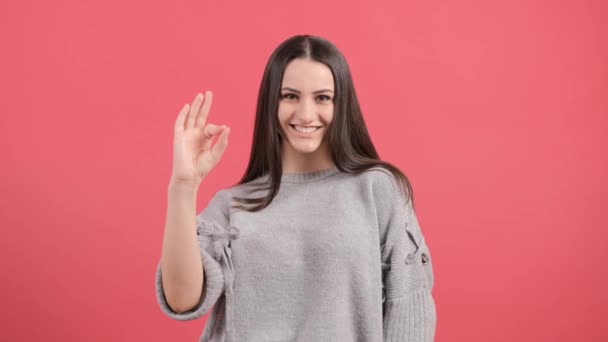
(209, 132)
(220, 146)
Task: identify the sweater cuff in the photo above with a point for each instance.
(410, 318)
(212, 289)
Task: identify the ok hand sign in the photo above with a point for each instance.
(193, 155)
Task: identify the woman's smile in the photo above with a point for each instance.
(305, 132)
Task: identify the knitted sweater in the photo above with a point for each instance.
(334, 257)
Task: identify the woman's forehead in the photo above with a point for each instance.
(307, 76)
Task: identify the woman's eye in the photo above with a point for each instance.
(292, 96)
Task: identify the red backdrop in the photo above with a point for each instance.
(496, 110)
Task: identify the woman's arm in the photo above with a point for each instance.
(181, 262)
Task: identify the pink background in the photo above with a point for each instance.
(496, 110)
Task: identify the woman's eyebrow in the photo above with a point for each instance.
(316, 92)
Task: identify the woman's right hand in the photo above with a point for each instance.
(193, 155)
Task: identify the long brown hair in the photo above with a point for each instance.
(352, 150)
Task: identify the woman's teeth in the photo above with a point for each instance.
(305, 130)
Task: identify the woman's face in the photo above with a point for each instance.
(306, 105)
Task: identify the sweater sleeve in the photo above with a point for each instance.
(408, 306)
(213, 284)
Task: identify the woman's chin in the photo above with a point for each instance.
(305, 148)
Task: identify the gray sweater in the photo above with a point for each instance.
(334, 257)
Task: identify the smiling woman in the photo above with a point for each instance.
(330, 251)
(304, 115)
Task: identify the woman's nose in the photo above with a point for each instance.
(307, 110)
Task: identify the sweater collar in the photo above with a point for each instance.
(308, 177)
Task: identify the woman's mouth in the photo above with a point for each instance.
(305, 131)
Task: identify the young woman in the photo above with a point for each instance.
(318, 241)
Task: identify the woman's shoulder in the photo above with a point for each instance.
(382, 180)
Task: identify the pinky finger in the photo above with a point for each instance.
(181, 118)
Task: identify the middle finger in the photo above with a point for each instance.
(202, 116)
(196, 104)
